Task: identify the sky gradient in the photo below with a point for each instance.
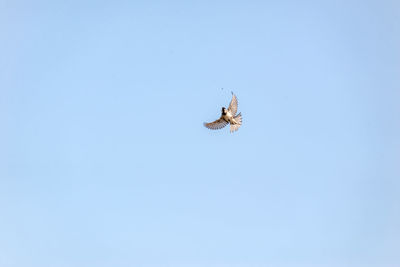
(104, 160)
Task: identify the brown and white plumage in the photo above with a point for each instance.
(228, 116)
(233, 106)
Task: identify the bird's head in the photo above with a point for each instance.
(223, 110)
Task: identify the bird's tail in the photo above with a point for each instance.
(238, 119)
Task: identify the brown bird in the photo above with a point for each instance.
(228, 116)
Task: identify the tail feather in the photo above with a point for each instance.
(236, 126)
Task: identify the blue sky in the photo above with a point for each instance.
(104, 160)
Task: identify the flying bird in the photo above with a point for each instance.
(228, 116)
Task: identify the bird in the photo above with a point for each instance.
(228, 116)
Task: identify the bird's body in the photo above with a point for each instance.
(228, 116)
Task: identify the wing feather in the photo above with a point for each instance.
(216, 125)
(233, 106)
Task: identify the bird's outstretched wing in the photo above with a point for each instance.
(215, 125)
(233, 106)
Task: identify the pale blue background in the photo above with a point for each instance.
(104, 160)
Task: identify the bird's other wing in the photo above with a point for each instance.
(216, 125)
(233, 106)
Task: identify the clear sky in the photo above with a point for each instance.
(104, 160)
